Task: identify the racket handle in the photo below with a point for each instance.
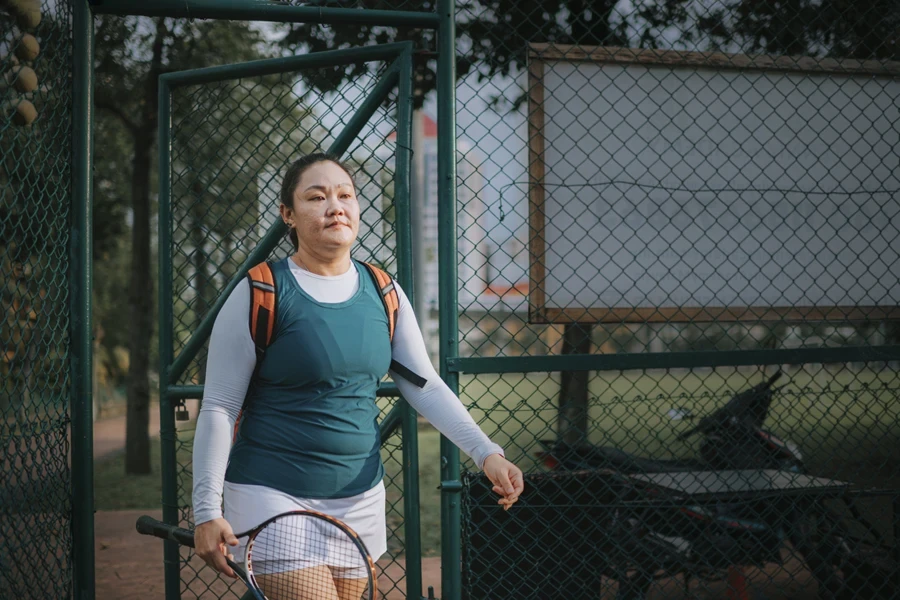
(255, 592)
(149, 526)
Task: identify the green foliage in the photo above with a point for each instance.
(35, 180)
(835, 28)
(222, 173)
(494, 34)
(218, 171)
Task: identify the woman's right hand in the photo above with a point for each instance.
(211, 540)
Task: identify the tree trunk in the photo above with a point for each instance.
(137, 436)
(573, 390)
(140, 297)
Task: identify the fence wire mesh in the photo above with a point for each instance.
(231, 144)
(35, 192)
(691, 190)
(665, 184)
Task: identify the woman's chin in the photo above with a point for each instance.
(338, 238)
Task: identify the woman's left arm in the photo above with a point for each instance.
(443, 409)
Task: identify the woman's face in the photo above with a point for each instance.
(325, 211)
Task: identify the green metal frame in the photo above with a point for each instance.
(261, 10)
(401, 416)
(398, 75)
(81, 350)
(451, 486)
(451, 364)
(670, 360)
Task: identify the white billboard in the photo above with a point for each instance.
(743, 188)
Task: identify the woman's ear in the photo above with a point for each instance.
(287, 215)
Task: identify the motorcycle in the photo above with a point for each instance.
(733, 439)
(705, 537)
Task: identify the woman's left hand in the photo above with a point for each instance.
(506, 477)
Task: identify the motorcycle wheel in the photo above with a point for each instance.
(819, 542)
(869, 573)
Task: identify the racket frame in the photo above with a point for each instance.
(352, 535)
(147, 525)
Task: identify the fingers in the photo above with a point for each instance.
(212, 542)
(215, 559)
(518, 481)
(219, 563)
(504, 482)
(510, 484)
(506, 503)
(507, 479)
(505, 500)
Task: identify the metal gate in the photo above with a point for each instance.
(218, 217)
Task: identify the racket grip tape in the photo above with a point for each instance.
(147, 525)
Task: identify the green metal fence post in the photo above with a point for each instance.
(169, 466)
(254, 10)
(449, 321)
(410, 447)
(80, 353)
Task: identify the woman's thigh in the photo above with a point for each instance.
(313, 583)
(349, 589)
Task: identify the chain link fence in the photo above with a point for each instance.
(700, 196)
(35, 192)
(231, 143)
(662, 205)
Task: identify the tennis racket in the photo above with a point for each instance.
(297, 555)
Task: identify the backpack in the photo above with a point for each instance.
(262, 303)
(263, 314)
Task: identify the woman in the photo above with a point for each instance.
(309, 439)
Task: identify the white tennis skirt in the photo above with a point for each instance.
(246, 506)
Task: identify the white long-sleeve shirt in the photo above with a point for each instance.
(232, 359)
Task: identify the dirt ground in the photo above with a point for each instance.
(129, 566)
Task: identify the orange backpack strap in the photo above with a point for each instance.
(262, 307)
(391, 300)
(389, 296)
(262, 316)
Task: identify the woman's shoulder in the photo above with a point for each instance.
(237, 305)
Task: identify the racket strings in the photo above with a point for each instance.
(303, 557)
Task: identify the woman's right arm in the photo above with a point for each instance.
(229, 367)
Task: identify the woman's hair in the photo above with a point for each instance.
(295, 172)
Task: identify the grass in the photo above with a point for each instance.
(849, 418)
(114, 490)
(826, 414)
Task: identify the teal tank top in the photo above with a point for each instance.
(310, 423)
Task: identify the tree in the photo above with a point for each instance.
(492, 35)
(131, 54)
(112, 146)
(833, 28)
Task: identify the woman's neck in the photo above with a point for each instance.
(328, 266)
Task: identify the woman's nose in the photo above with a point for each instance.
(334, 206)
